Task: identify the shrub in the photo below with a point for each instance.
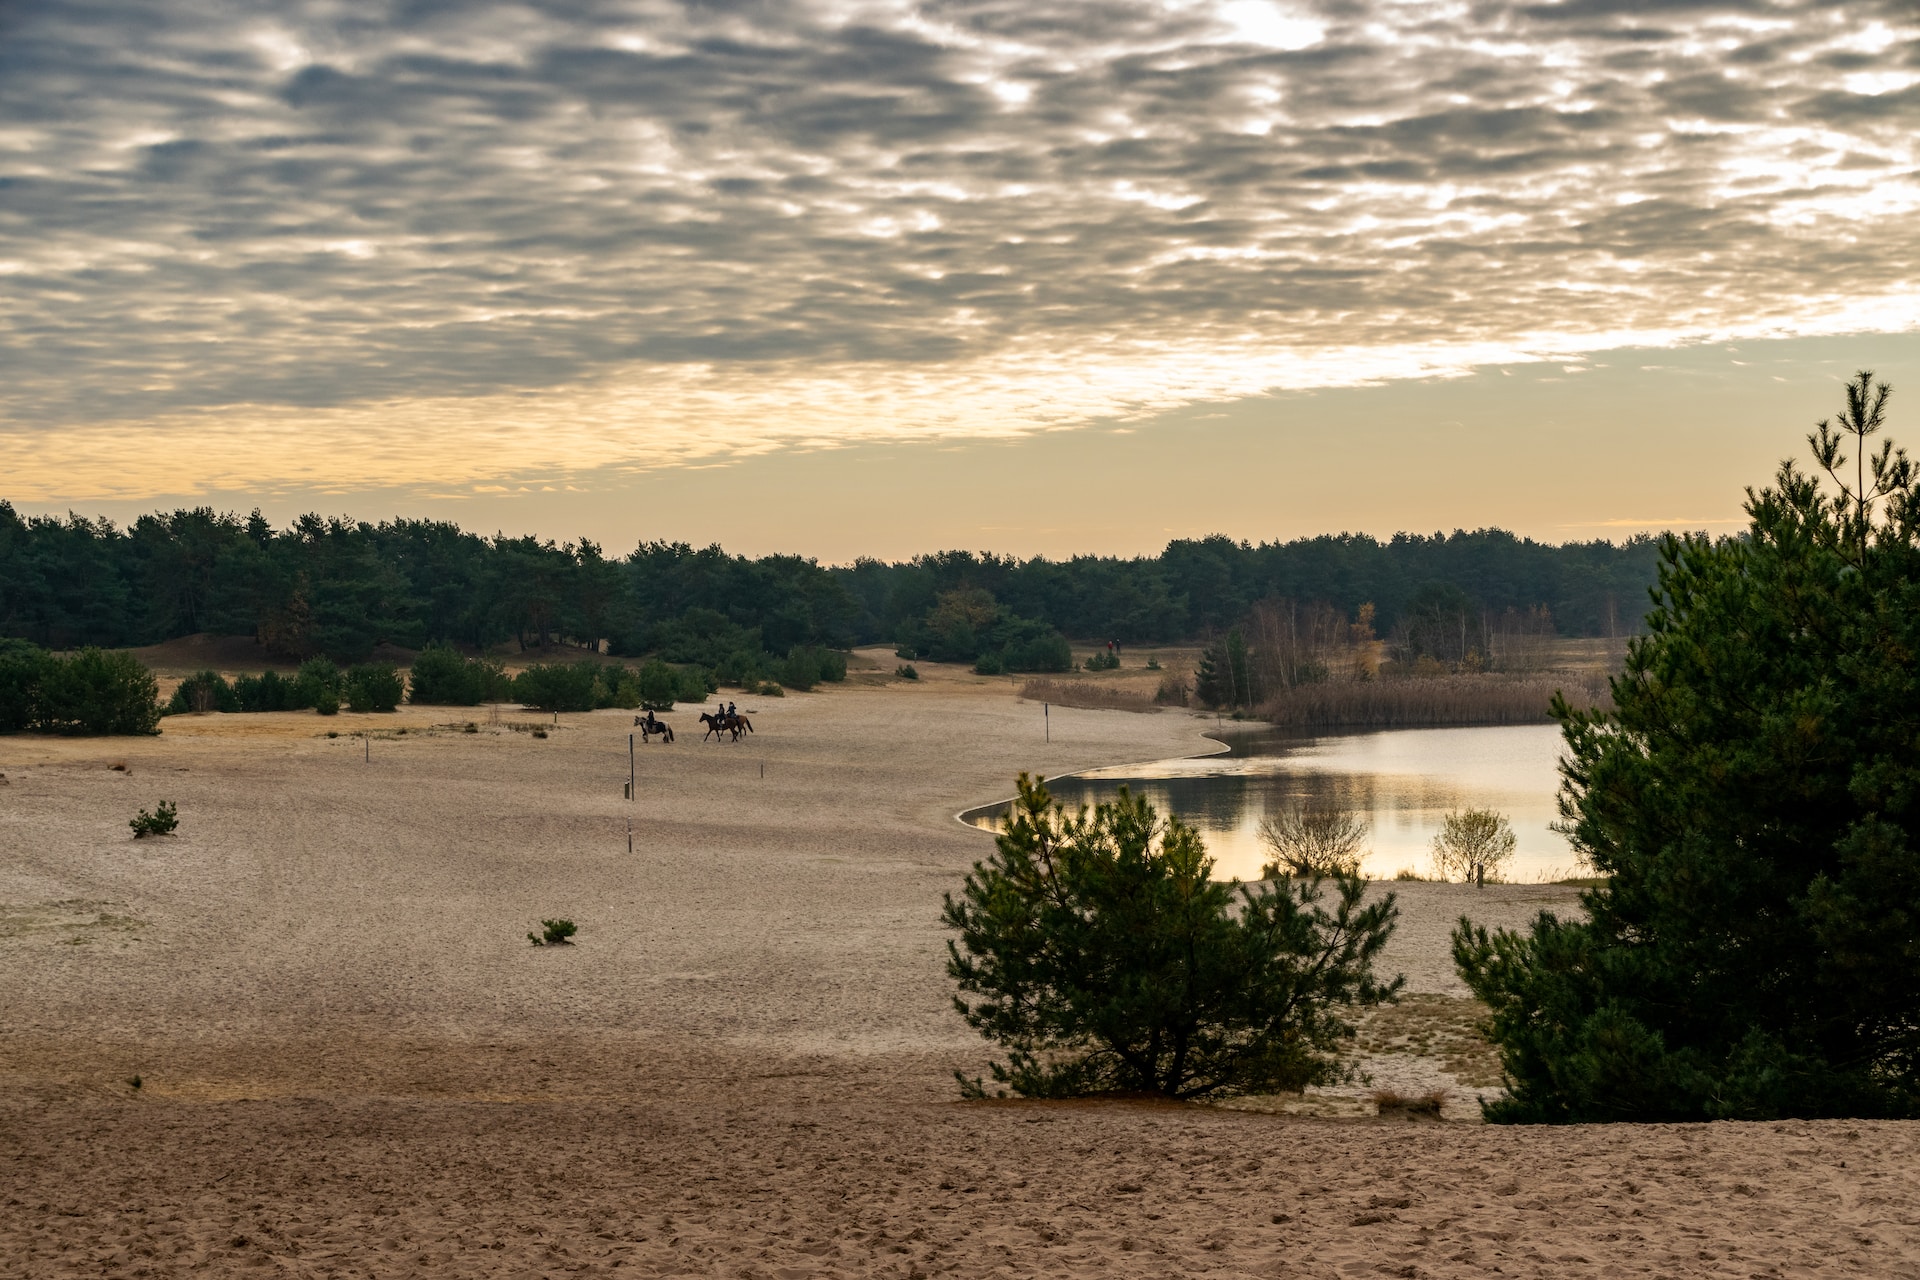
(374, 686)
(554, 933)
(22, 667)
(96, 692)
(1104, 660)
(265, 692)
(1751, 952)
(557, 687)
(443, 677)
(659, 686)
(1473, 846)
(203, 691)
(990, 664)
(317, 685)
(161, 822)
(906, 672)
(1038, 649)
(696, 683)
(808, 665)
(1103, 958)
(1314, 840)
(616, 686)
(1172, 692)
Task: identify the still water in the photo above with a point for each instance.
(1403, 781)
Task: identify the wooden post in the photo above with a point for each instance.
(1046, 713)
(630, 778)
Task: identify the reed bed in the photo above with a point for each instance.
(1429, 701)
(1087, 694)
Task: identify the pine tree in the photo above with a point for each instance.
(1099, 952)
(1754, 950)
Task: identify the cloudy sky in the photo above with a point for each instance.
(616, 260)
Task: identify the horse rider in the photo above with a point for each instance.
(732, 714)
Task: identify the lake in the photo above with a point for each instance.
(1404, 781)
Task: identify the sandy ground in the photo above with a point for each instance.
(352, 1063)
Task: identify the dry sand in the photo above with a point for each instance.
(352, 1063)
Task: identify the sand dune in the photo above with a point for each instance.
(352, 1063)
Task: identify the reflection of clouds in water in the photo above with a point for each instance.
(1405, 782)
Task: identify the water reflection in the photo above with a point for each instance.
(1403, 782)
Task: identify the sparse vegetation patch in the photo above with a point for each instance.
(161, 822)
(554, 933)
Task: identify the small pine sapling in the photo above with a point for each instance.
(554, 933)
(161, 822)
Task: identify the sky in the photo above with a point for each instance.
(850, 278)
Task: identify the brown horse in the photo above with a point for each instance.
(733, 725)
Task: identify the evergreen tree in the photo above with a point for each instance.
(1099, 952)
(1755, 948)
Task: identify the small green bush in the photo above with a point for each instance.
(442, 677)
(617, 687)
(22, 667)
(318, 685)
(990, 664)
(906, 672)
(808, 665)
(554, 933)
(1098, 951)
(1104, 660)
(696, 683)
(1048, 651)
(374, 686)
(557, 687)
(161, 822)
(268, 691)
(659, 686)
(96, 692)
(203, 691)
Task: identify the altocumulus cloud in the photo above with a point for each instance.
(437, 243)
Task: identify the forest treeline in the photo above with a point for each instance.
(338, 588)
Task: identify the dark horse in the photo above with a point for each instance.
(717, 725)
(648, 725)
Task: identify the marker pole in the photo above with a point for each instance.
(1046, 713)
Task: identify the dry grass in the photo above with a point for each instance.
(1087, 694)
(1445, 1029)
(1437, 700)
(1391, 1104)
